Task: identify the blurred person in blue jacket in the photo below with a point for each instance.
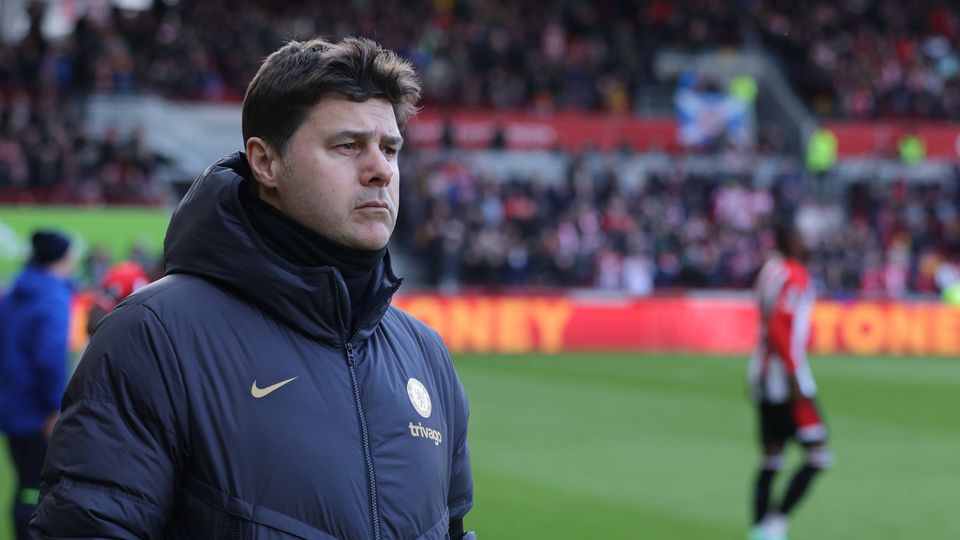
(34, 325)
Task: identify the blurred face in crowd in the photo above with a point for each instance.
(339, 174)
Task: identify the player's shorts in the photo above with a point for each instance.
(801, 420)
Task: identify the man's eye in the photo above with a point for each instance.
(348, 146)
(391, 151)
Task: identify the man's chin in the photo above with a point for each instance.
(371, 246)
(370, 242)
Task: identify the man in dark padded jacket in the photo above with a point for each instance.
(266, 388)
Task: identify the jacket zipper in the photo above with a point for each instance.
(364, 433)
(232, 528)
(237, 529)
(371, 474)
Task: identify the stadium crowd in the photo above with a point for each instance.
(871, 58)
(47, 154)
(859, 59)
(668, 231)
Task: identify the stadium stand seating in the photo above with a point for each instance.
(582, 228)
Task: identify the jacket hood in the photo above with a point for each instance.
(210, 236)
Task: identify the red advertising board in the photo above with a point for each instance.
(518, 324)
(573, 131)
(567, 131)
(859, 139)
(708, 325)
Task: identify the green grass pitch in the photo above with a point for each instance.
(663, 447)
(117, 228)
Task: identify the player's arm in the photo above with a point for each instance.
(780, 328)
(112, 464)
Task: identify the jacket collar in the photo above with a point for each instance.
(210, 236)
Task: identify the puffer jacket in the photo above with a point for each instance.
(34, 328)
(230, 400)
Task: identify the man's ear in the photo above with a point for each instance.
(265, 162)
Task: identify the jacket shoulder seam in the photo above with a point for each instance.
(176, 356)
(166, 333)
(168, 286)
(177, 360)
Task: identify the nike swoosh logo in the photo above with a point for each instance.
(260, 392)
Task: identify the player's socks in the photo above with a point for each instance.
(798, 487)
(762, 486)
(761, 494)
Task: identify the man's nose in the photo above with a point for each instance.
(377, 168)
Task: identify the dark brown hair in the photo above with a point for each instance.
(296, 77)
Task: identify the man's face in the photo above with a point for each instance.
(339, 175)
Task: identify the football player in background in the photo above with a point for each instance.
(782, 383)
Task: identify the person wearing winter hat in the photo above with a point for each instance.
(49, 247)
(34, 321)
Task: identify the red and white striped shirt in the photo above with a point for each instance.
(786, 297)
